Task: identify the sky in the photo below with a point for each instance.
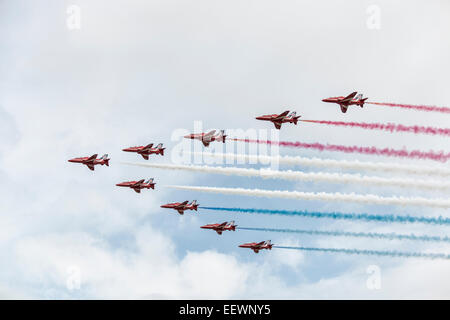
(85, 77)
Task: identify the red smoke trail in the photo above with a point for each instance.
(412, 106)
(414, 154)
(391, 127)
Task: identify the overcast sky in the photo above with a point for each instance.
(137, 72)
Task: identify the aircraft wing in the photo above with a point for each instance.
(349, 97)
(91, 166)
(139, 182)
(181, 205)
(260, 244)
(145, 156)
(137, 190)
(222, 225)
(91, 158)
(277, 125)
(180, 211)
(281, 116)
(209, 134)
(344, 108)
(147, 147)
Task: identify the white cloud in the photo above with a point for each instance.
(150, 270)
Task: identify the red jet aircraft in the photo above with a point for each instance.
(91, 161)
(181, 206)
(138, 185)
(279, 119)
(347, 101)
(147, 150)
(207, 138)
(220, 227)
(258, 246)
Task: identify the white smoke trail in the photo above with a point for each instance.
(331, 163)
(323, 196)
(305, 176)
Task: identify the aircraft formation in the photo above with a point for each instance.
(206, 138)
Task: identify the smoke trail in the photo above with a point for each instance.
(413, 107)
(331, 163)
(323, 196)
(304, 176)
(391, 127)
(398, 254)
(340, 216)
(374, 235)
(415, 154)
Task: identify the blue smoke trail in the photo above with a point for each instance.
(390, 236)
(399, 254)
(346, 216)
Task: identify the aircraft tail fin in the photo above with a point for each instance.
(150, 181)
(362, 101)
(105, 159)
(221, 136)
(294, 117)
(160, 148)
(194, 205)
